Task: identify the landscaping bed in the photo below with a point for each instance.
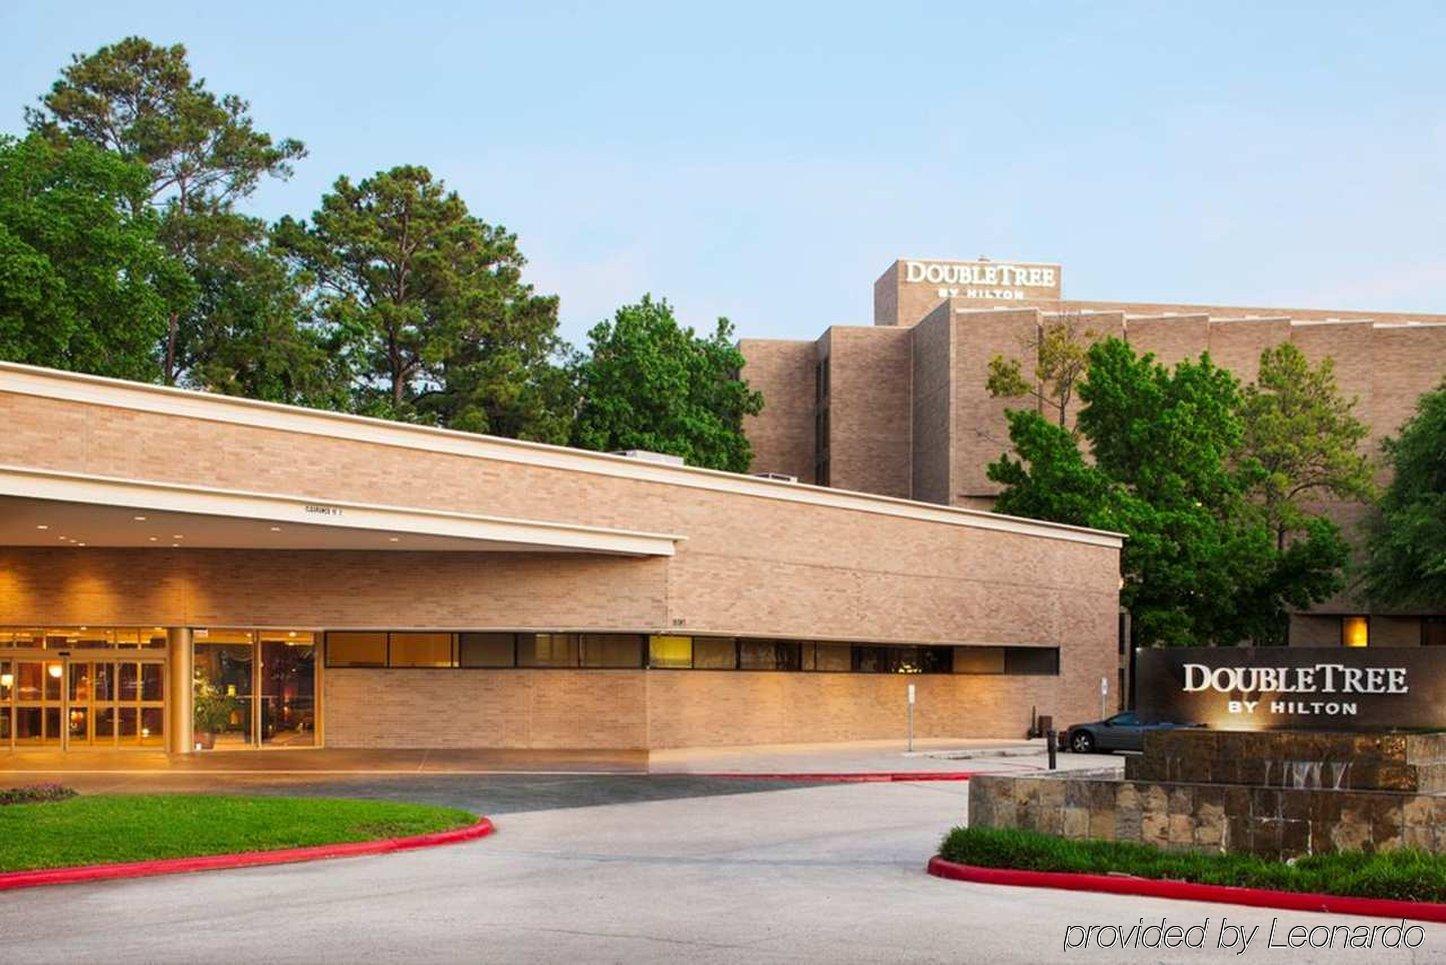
(108, 828)
(1406, 875)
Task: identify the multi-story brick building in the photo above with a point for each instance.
(900, 408)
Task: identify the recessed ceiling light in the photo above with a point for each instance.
(79, 544)
(393, 538)
(41, 526)
(175, 544)
(139, 519)
(153, 539)
(177, 536)
(276, 529)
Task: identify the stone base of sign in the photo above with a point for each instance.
(1276, 795)
(1339, 761)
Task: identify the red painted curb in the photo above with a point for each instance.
(847, 777)
(1192, 891)
(245, 859)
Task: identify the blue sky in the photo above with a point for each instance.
(767, 161)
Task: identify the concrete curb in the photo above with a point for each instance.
(245, 859)
(1191, 891)
(844, 777)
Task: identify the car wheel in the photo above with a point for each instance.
(1082, 742)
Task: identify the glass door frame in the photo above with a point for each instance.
(11, 704)
(256, 640)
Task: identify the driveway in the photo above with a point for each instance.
(622, 868)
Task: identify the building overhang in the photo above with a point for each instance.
(41, 507)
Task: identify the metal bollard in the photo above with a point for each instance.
(1049, 742)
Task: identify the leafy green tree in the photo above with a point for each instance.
(259, 340)
(1306, 439)
(1407, 547)
(1199, 562)
(1060, 349)
(84, 283)
(649, 383)
(430, 303)
(203, 152)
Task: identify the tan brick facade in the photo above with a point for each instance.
(752, 558)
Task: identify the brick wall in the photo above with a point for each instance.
(870, 400)
(782, 435)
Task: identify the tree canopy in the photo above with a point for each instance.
(650, 383)
(430, 307)
(1407, 547)
(203, 153)
(84, 282)
(1305, 438)
(1166, 467)
(1060, 349)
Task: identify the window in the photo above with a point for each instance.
(1031, 661)
(979, 660)
(615, 650)
(827, 657)
(768, 655)
(1124, 720)
(903, 659)
(1355, 631)
(1433, 631)
(486, 650)
(420, 650)
(715, 653)
(670, 652)
(547, 650)
(356, 649)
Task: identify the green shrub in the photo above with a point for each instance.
(1406, 874)
(36, 794)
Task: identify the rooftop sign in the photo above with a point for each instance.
(995, 281)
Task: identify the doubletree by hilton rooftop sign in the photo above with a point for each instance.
(1003, 281)
(1293, 688)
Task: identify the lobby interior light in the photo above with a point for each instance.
(55, 670)
(42, 526)
(139, 519)
(393, 539)
(276, 529)
(7, 680)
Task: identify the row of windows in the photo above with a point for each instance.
(634, 651)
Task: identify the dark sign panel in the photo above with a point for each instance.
(1295, 688)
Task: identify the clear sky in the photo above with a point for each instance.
(767, 161)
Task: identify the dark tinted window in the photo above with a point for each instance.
(485, 649)
(768, 655)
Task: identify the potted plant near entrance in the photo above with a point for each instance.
(212, 711)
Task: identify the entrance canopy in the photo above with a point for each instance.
(50, 508)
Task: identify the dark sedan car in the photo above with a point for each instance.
(1122, 732)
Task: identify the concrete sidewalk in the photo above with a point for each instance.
(934, 755)
(857, 757)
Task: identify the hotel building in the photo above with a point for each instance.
(306, 578)
(900, 408)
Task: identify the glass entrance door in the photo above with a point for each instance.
(38, 703)
(288, 689)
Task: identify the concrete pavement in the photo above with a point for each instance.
(714, 873)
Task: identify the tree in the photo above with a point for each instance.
(84, 283)
(431, 308)
(1406, 564)
(649, 383)
(203, 152)
(259, 340)
(1060, 349)
(1306, 439)
(1165, 468)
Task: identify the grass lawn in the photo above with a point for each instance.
(1407, 874)
(124, 827)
